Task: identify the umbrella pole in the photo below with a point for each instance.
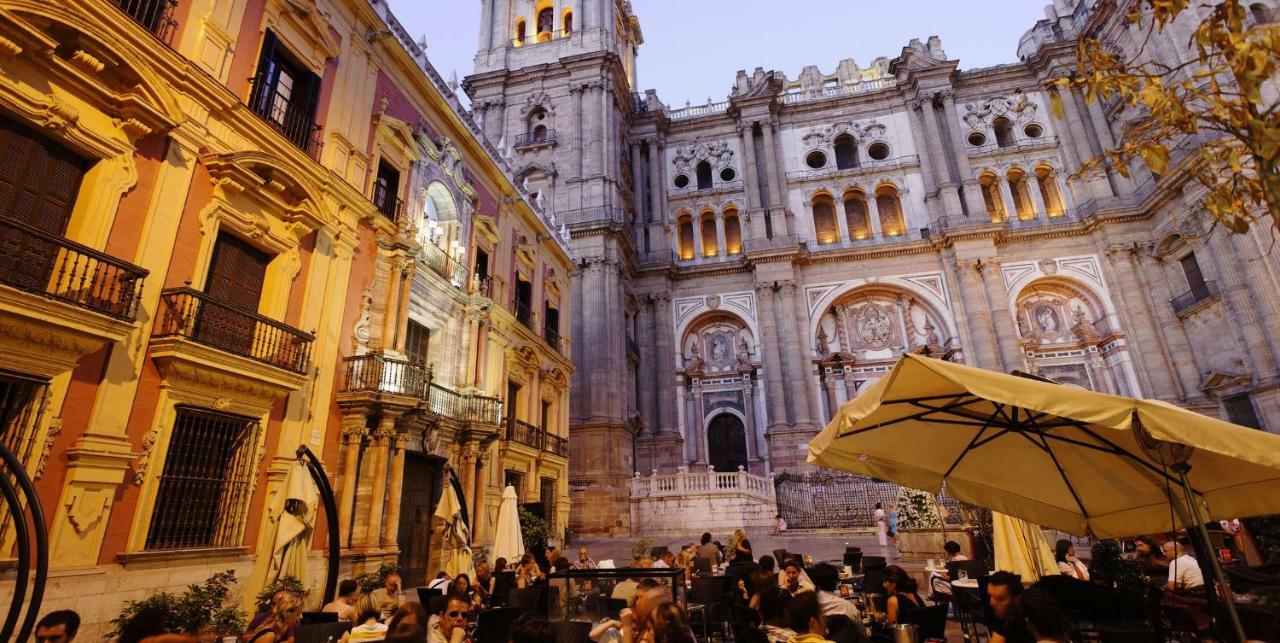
(1182, 469)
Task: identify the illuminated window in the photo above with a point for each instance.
(824, 220)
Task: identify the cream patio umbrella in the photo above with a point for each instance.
(509, 541)
(1075, 460)
(294, 512)
(1020, 547)
(457, 536)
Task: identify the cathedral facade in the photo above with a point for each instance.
(747, 266)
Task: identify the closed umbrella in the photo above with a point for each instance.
(294, 512)
(1021, 548)
(1067, 458)
(457, 537)
(509, 541)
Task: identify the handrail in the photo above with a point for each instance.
(390, 205)
(702, 482)
(862, 87)
(288, 117)
(374, 373)
(552, 337)
(557, 445)
(194, 315)
(155, 16)
(540, 137)
(56, 267)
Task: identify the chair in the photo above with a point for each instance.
(854, 560)
(973, 568)
(780, 556)
(931, 620)
(426, 594)
(503, 583)
(702, 565)
(321, 632)
(870, 563)
(311, 618)
(873, 582)
(706, 592)
(528, 598)
(494, 625)
(572, 631)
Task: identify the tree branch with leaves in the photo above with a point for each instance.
(1223, 100)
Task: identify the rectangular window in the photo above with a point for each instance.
(551, 325)
(206, 480)
(1191, 268)
(524, 300)
(286, 94)
(1240, 411)
(417, 343)
(514, 479)
(546, 416)
(22, 406)
(482, 265)
(513, 396)
(547, 496)
(386, 191)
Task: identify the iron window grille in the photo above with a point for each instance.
(206, 481)
(23, 401)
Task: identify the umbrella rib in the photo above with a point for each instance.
(1084, 512)
(931, 398)
(908, 418)
(1114, 449)
(966, 450)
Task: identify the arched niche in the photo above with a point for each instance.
(1068, 335)
(717, 343)
(880, 321)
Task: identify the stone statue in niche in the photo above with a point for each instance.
(744, 353)
(1047, 319)
(823, 346)
(719, 349)
(695, 362)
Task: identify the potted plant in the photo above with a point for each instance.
(534, 530)
(203, 609)
(376, 579)
(919, 525)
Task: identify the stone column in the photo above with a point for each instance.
(972, 191)
(794, 354)
(1037, 199)
(773, 369)
(1119, 183)
(391, 534)
(467, 472)
(804, 353)
(1169, 325)
(1095, 180)
(353, 432)
(974, 296)
(721, 246)
(933, 137)
(656, 185)
(479, 532)
(607, 131)
(1006, 195)
(381, 455)
(771, 164)
(1243, 316)
(1065, 144)
(1154, 381)
(927, 170)
(750, 177)
(842, 224)
(697, 236)
(692, 425)
(1006, 334)
(873, 217)
(648, 375)
(637, 186)
(486, 25)
(577, 92)
(666, 359)
(749, 405)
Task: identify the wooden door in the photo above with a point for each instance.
(233, 288)
(419, 493)
(38, 185)
(727, 443)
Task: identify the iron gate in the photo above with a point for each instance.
(828, 499)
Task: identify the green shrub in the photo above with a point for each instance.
(202, 608)
(377, 579)
(534, 530)
(288, 584)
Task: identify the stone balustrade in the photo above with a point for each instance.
(717, 501)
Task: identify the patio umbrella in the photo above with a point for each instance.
(294, 512)
(1021, 548)
(457, 536)
(1068, 458)
(509, 541)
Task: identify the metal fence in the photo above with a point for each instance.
(826, 499)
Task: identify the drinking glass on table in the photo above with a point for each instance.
(962, 574)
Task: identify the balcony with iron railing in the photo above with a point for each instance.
(51, 266)
(522, 432)
(383, 375)
(193, 315)
(1201, 293)
(439, 261)
(155, 16)
(487, 286)
(552, 337)
(536, 138)
(387, 203)
(557, 445)
(289, 117)
(523, 314)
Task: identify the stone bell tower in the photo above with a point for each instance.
(553, 87)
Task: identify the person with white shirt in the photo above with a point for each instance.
(1068, 564)
(1184, 571)
(881, 521)
(826, 579)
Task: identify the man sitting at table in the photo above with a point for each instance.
(827, 580)
(1184, 571)
(452, 624)
(1046, 621)
(709, 549)
(793, 579)
(806, 619)
(1003, 589)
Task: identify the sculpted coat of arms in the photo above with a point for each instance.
(874, 326)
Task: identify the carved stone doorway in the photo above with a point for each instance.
(727, 443)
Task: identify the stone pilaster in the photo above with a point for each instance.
(774, 373)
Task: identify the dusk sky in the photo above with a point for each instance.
(693, 48)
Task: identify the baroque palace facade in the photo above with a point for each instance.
(231, 228)
(747, 266)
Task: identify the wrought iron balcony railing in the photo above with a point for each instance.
(524, 433)
(193, 315)
(390, 205)
(488, 286)
(523, 314)
(380, 374)
(155, 16)
(552, 336)
(540, 137)
(54, 267)
(1202, 292)
(442, 264)
(289, 117)
(466, 408)
(557, 445)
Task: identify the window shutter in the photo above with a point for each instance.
(38, 180)
(264, 79)
(309, 100)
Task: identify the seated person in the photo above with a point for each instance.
(772, 608)
(1003, 589)
(900, 590)
(451, 627)
(1184, 571)
(528, 573)
(806, 619)
(368, 629)
(348, 596)
(1068, 565)
(826, 579)
(630, 588)
(1044, 619)
(793, 580)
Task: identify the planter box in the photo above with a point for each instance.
(928, 543)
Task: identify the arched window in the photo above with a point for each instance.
(546, 21)
(825, 228)
(536, 127)
(710, 244)
(521, 32)
(684, 237)
(568, 21)
(846, 152)
(1004, 132)
(855, 214)
(1021, 197)
(890, 207)
(1047, 181)
(704, 175)
(732, 233)
(991, 197)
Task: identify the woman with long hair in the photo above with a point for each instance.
(667, 623)
(286, 611)
(740, 548)
(900, 588)
(1068, 564)
(1150, 554)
